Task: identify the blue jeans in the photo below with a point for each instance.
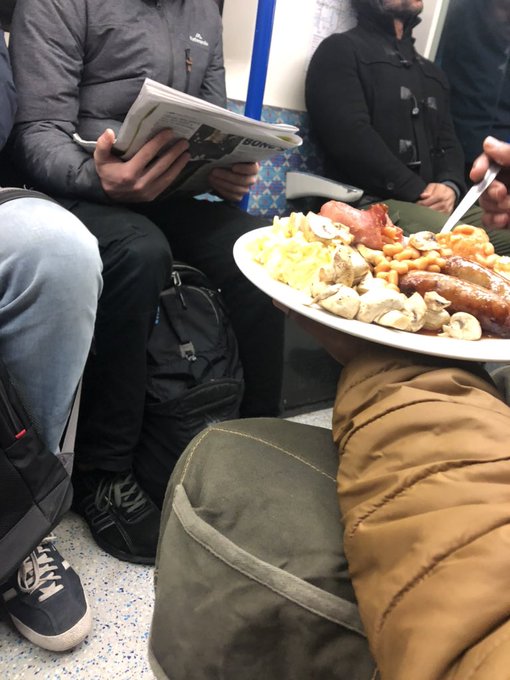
(50, 281)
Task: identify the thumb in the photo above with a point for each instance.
(497, 150)
(104, 146)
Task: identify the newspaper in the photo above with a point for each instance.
(216, 136)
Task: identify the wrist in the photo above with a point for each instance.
(454, 187)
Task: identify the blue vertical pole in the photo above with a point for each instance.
(259, 62)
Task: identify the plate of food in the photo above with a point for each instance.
(445, 295)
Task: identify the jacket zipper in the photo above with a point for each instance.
(189, 66)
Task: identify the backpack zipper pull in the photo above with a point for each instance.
(176, 280)
(187, 351)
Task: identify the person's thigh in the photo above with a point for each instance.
(412, 218)
(203, 233)
(137, 260)
(51, 278)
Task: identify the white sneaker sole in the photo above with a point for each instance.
(58, 643)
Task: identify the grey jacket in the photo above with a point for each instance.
(79, 64)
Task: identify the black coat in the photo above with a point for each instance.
(474, 54)
(380, 112)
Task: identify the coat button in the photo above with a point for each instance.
(390, 186)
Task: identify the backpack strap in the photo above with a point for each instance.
(12, 193)
(69, 436)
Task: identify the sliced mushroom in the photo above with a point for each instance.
(396, 318)
(369, 282)
(377, 301)
(462, 326)
(436, 315)
(409, 318)
(341, 269)
(423, 240)
(318, 227)
(435, 302)
(320, 290)
(360, 265)
(416, 309)
(343, 302)
(434, 321)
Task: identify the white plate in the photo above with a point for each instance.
(486, 349)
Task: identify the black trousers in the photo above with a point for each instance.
(137, 247)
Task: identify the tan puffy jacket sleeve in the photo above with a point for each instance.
(424, 485)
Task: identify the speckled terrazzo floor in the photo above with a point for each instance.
(121, 597)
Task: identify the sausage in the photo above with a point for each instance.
(467, 270)
(491, 310)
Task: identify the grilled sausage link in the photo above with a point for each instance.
(492, 311)
(467, 270)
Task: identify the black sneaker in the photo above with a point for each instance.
(46, 602)
(122, 518)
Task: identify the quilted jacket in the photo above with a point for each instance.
(424, 486)
(78, 66)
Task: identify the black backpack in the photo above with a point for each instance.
(35, 489)
(194, 375)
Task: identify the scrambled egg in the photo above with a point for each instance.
(294, 250)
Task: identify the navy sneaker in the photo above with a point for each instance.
(46, 602)
(122, 518)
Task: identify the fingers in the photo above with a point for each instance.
(497, 220)
(428, 201)
(147, 189)
(147, 174)
(230, 176)
(497, 150)
(495, 203)
(174, 157)
(494, 150)
(479, 168)
(103, 150)
(428, 191)
(246, 168)
(439, 197)
(437, 205)
(149, 151)
(496, 193)
(231, 184)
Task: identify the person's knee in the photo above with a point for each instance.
(65, 250)
(49, 242)
(147, 255)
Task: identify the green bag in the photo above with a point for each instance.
(251, 579)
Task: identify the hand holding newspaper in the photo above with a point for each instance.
(216, 136)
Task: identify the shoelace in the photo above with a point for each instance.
(122, 492)
(36, 572)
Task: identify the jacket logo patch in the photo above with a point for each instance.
(197, 38)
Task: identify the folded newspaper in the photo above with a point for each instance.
(216, 136)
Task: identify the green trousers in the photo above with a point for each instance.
(412, 218)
